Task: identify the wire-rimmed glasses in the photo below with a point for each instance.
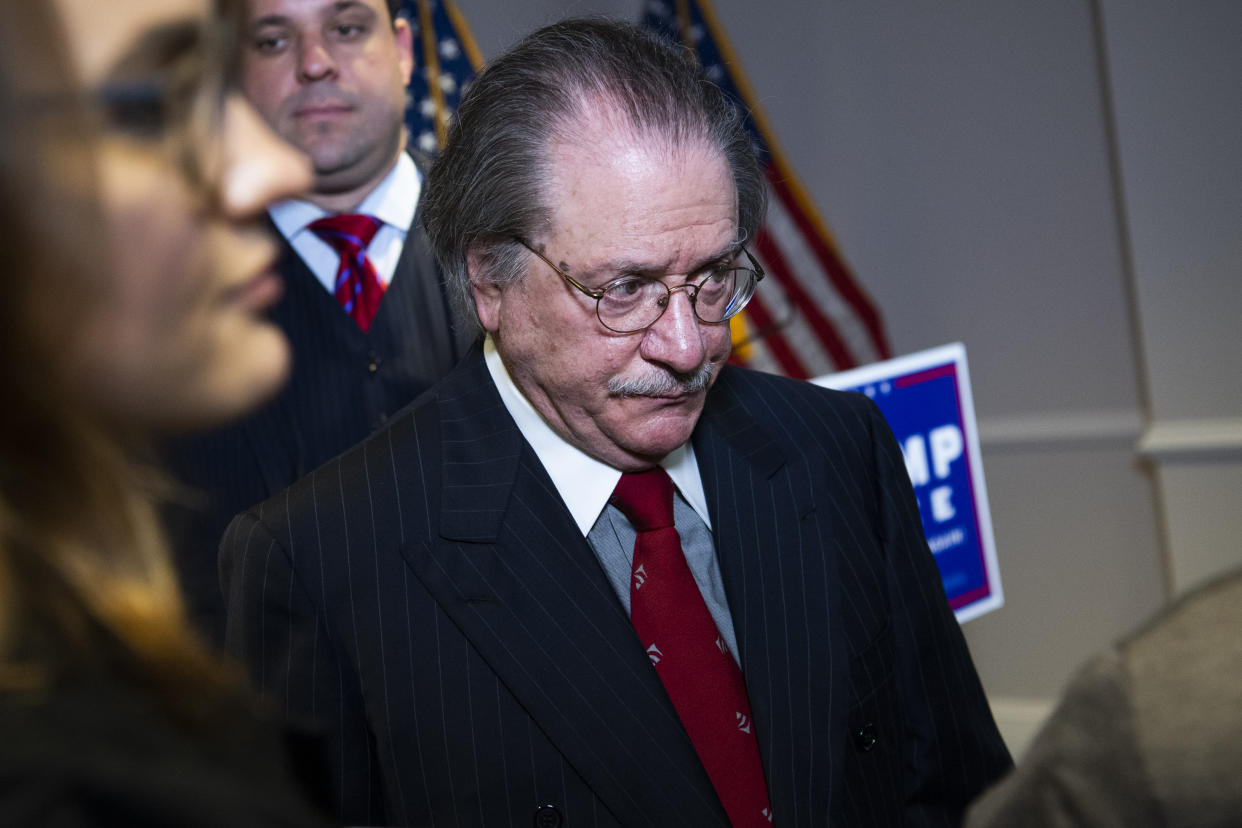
(633, 303)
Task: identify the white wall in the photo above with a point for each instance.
(1057, 185)
(1178, 101)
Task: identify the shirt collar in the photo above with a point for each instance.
(584, 483)
(393, 202)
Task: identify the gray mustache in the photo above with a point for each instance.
(663, 383)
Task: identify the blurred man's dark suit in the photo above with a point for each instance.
(429, 601)
(345, 384)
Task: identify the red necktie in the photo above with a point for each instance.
(357, 287)
(690, 656)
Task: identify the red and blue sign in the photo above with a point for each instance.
(927, 401)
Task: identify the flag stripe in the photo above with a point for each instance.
(823, 299)
(810, 311)
(833, 267)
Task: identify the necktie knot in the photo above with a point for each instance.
(357, 287)
(346, 231)
(646, 499)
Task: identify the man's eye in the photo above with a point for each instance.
(626, 287)
(270, 44)
(628, 294)
(350, 31)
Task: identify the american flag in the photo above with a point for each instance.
(809, 317)
(445, 60)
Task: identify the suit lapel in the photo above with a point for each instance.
(770, 526)
(513, 572)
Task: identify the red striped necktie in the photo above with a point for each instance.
(674, 625)
(357, 287)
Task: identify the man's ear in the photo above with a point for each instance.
(488, 295)
(405, 48)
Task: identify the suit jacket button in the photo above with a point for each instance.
(865, 738)
(546, 816)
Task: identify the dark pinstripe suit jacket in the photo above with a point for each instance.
(345, 384)
(427, 598)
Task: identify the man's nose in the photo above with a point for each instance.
(315, 62)
(676, 338)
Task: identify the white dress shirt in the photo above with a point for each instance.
(393, 202)
(584, 483)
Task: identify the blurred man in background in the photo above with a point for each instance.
(364, 308)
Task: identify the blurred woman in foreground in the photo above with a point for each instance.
(131, 181)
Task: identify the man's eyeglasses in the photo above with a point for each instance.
(634, 303)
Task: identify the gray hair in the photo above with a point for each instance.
(488, 185)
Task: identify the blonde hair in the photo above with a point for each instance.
(86, 581)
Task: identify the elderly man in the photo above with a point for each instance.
(364, 306)
(596, 575)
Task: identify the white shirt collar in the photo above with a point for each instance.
(584, 483)
(393, 202)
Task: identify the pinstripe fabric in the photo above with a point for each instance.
(612, 539)
(345, 384)
(427, 599)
